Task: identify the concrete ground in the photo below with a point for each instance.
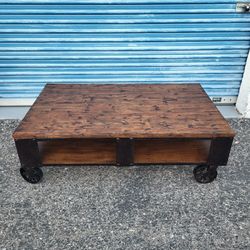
(125, 208)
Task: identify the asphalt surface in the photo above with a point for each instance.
(151, 207)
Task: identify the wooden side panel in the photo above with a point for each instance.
(67, 152)
(171, 151)
(159, 151)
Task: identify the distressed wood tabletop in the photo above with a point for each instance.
(123, 111)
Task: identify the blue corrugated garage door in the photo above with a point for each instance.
(115, 41)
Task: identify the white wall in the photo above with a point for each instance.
(243, 101)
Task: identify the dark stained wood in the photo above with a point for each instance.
(28, 153)
(219, 151)
(123, 111)
(171, 151)
(124, 151)
(70, 152)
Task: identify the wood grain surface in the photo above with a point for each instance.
(98, 151)
(77, 151)
(171, 151)
(123, 111)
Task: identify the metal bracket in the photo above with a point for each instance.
(219, 151)
(243, 7)
(28, 153)
(124, 152)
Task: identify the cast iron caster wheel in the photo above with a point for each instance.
(204, 174)
(32, 175)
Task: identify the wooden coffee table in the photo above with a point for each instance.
(74, 124)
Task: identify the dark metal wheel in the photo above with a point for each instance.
(205, 173)
(33, 175)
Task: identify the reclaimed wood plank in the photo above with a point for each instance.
(123, 111)
(70, 152)
(146, 151)
(171, 151)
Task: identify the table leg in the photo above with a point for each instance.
(219, 151)
(218, 155)
(28, 153)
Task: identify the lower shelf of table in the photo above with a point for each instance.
(103, 151)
